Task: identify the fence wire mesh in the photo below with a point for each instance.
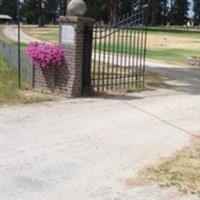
(10, 54)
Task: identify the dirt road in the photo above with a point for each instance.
(86, 149)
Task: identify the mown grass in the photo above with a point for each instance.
(178, 56)
(45, 33)
(168, 55)
(172, 55)
(51, 33)
(181, 171)
(162, 44)
(173, 31)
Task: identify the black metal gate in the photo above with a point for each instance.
(119, 52)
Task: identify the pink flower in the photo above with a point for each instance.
(45, 55)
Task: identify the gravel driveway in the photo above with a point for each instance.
(87, 149)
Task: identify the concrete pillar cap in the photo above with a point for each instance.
(76, 8)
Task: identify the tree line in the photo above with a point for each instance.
(161, 12)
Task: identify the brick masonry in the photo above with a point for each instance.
(66, 79)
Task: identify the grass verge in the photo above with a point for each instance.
(181, 171)
(8, 83)
(9, 92)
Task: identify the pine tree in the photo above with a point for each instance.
(40, 12)
(163, 12)
(153, 10)
(28, 12)
(51, 11)
(63, 6)
(126, 6)
(98, 9)
(114, 9)
(179, 12)
(8, 7)
(196, 9)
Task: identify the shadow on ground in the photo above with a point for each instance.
(186, 80)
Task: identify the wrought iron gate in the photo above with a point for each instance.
(119, 52)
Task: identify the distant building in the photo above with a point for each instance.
(5, 19)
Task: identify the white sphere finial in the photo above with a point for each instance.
(76, 8)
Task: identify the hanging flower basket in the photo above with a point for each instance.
(47, 59)
(45, 55)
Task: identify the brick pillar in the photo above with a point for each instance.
(72, 37)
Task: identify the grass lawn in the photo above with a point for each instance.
(174, 56)
(175, 31)
(9, 92)
(181, 171)
(48, 34)
(163, 45)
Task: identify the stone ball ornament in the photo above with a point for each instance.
(77, 8)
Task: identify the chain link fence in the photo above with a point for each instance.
(10, 55)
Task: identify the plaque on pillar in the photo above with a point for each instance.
(67, 34)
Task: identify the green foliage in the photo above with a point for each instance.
(162, 13)
(39, 11)
(179, 12)
(50, 11)
(196, 9)
(98, 9)
(28, 12)
(8, 7)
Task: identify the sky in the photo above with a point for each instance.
(191, 8)
(191, 12)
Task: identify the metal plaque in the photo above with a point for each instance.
(67, 34)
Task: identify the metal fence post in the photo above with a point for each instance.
(19, 45)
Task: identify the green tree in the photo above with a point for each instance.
(98, 9)
(163, 13)
(196, 9)
(40, 12)
(8, 7)
(28, 12)
(179, 12)
(62, 6)
(51, 11)
(153, 10)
